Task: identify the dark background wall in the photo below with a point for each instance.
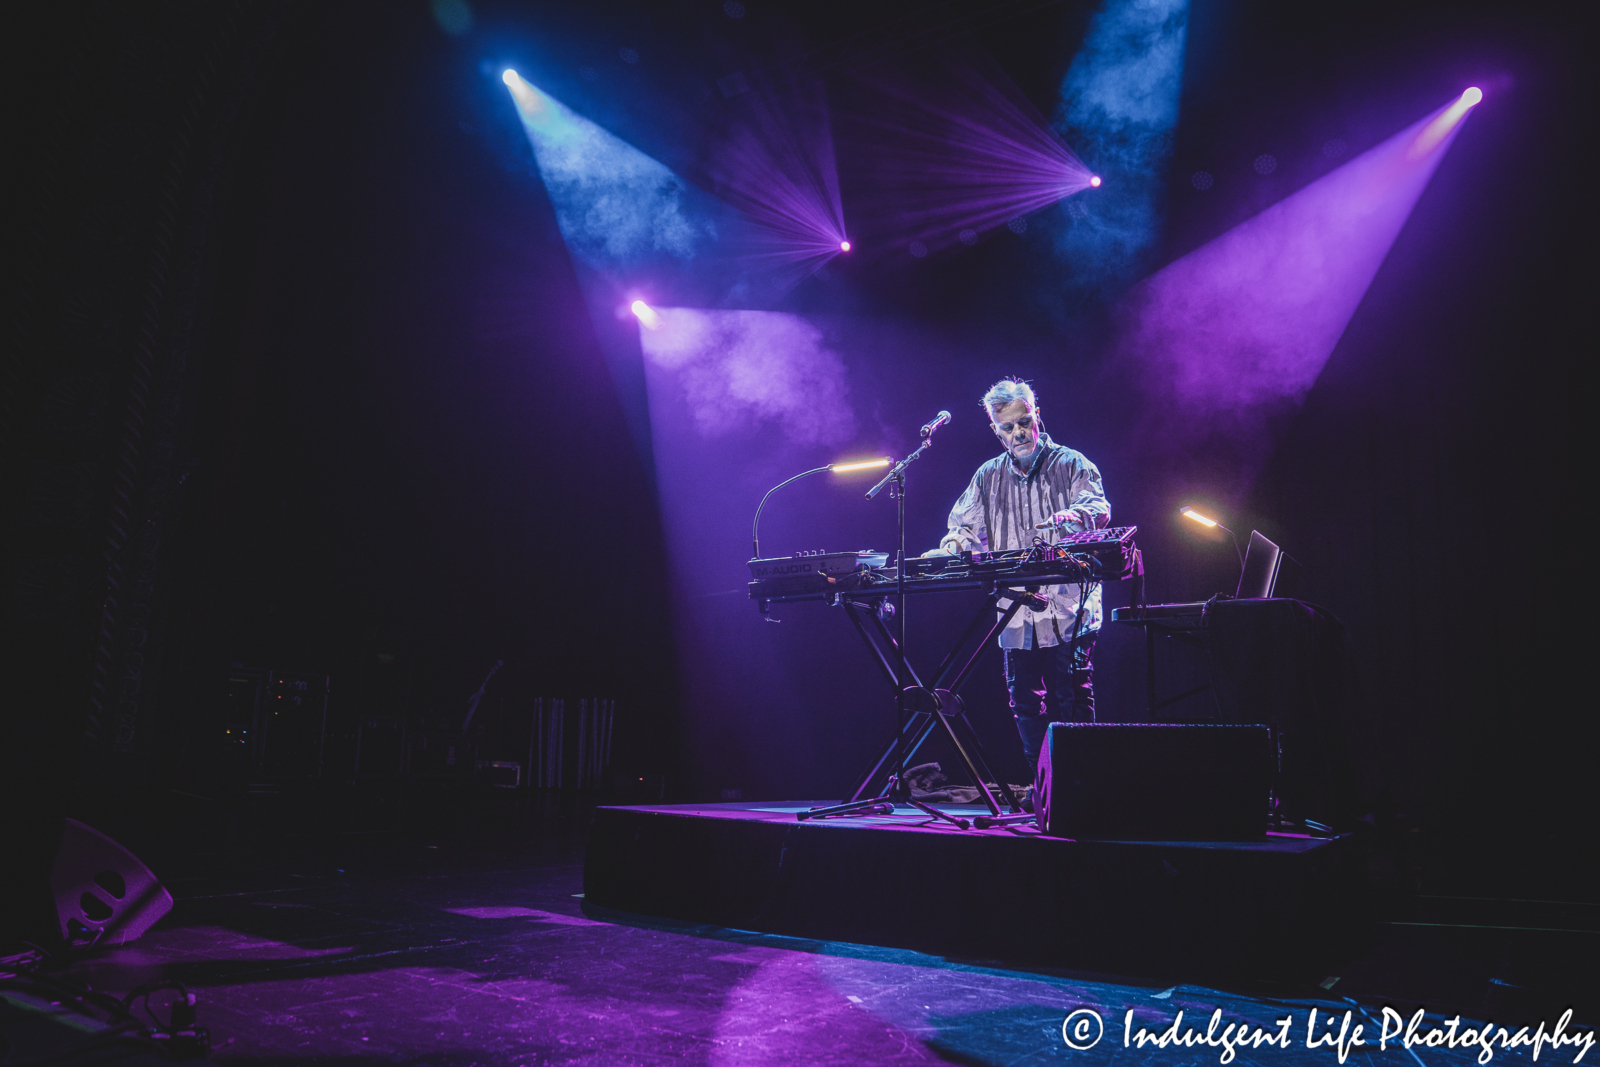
(299, 374)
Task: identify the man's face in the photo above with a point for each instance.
(1017, 426)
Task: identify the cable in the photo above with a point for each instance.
(123, 1026)
(123, 1033)
(178, 1037)
(75, 992)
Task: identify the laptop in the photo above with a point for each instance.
(1262, 561)
(1268, 571)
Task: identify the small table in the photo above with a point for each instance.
(1183, 622)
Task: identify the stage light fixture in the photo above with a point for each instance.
(862, 465)
(844, 246)
(1094, 181)
(1433, 135)
(646, 314)
(509, 77)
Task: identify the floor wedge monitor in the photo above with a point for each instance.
(1154, 782)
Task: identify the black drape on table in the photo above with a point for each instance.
(1289, 664)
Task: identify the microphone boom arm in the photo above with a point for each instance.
(899, 468)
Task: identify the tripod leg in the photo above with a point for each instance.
(883, 805)
(936, 813)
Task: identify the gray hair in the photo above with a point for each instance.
(1006, 391)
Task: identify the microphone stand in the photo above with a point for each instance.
(896, 790)
(897, 474)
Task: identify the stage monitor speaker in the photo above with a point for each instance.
(1154, 782)
(103, 894)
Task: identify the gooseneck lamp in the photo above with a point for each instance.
(837, 468)
(1190, 513)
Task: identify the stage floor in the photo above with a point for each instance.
(454, 935)
(910, 881)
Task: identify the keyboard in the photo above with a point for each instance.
(1101, 555)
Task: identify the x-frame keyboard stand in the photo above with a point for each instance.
(932, 707)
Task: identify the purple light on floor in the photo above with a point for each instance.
(1243, 325)
(775, 163)
(964, 152)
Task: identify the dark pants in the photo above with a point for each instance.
(1054, 684)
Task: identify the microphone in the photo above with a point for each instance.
(939, 420)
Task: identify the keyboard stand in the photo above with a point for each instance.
(931, 708)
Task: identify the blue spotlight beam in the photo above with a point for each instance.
(1119, 107)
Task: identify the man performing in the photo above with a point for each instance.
(1036, 488)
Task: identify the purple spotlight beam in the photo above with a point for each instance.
(739, 368)
(1237, 331)
(776, 164)
(966, 152)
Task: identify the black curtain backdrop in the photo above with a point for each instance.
(405, 439)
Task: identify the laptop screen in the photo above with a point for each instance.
(1259, 577)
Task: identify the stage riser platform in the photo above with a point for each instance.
(994, 894)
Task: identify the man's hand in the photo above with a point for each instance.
(1059, 520)
(940, 551)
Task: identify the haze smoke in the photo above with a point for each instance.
(1119, 106)
(741, 369)
(614, 204)
(1228, 340)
